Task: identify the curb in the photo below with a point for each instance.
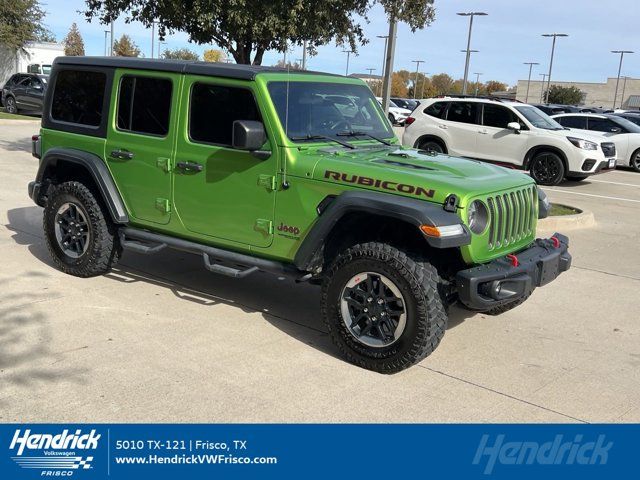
(584, 219)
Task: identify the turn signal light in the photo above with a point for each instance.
(442, 231)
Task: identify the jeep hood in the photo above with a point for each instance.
(413, 173)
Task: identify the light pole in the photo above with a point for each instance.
(415, 84)
(531, 64)
(111, 40)
(304, 55)
(153, 35)
(553, 48)
(388, 63)
(106, 32)
(621, 52)
(384, 57)
(466, 64)
(477, 74)
(624, 88)
(544, 76)
(348, 52)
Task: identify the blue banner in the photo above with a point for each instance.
(317, 451)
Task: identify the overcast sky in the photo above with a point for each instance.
(507, 37)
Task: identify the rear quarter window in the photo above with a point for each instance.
(78, 97)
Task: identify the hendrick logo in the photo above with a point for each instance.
(377, 183)
(53, 454)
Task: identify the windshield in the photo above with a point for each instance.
(538, 118)
(46, 69)
(327, 109)
(626, 124)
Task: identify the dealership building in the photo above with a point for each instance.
(593, 94)
(33, 53)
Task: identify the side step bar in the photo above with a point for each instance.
(216, 260)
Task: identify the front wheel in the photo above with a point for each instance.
(382, 307)
(635, 161)
(10, 105)
(80, 238)
(547, 168)
(392, 119)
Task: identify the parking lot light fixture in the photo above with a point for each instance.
(468, 50)
(531, 64)
(553, 48)
(415, 84)
(106, 32)
(622, 53)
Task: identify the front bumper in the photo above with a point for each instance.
(505, 280)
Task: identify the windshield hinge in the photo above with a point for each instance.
(451, 203)
(163, 205)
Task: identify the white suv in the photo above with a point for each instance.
(509, 133)
(397, 115)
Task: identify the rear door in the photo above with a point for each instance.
(462, 125)
(495, 141)
(140, 141)
(219, 191)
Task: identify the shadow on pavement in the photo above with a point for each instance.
(293, 308)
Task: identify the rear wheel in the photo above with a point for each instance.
(547, 168)
(80, 238)
(10, 105)
(432, 146)
(382, 307)
(392, 119)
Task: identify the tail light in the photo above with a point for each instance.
(409, 120)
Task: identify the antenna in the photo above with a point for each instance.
(285, 183)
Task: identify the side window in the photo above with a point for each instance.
(144, 105)
(463, 112)
(573, 122)
(78, 97)
(497, 116)
(601, 124)
(437, 109)
(214, 108)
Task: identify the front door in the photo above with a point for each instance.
(495, 141)
(140, 141)
(462, 125)
(219, 191)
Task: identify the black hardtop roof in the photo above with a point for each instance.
(214, 69)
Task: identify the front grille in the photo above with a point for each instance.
(609, 149)
(513, 216)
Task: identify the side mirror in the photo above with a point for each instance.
(616, 130)
(248, 135)
(514, 127)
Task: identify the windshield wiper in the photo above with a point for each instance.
(323, 137)
(363, 134)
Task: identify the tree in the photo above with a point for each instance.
(494, 86)
(180, 54)
(289, 65)
(442, 83)
(73, 43)
(565, 95)
(213, 55)
(398, 85)
(125, 47)
(248, 28)
(22, 21)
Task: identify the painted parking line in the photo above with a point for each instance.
(615, 183)
(592, 195)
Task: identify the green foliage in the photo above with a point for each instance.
(22, 21)
(180, 54)
(214, 55)
(73, 43)
(125, 47)
(565, 95)
(248, 28)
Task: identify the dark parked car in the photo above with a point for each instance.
(24, 92)
(405, 103)
(551, 109)
(631, 116)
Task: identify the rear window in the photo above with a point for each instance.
(437, 109)
(463, 112)
(144, 105)
(78, 97)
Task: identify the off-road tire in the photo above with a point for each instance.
(103, 249)
(417, 280)
(507, 306)
(10, 105)
(547, 168)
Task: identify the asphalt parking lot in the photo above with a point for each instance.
(161, 340)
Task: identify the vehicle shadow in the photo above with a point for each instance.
(293, 308)
(23, 144)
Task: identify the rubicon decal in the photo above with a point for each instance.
(377, 183)
(53, 452)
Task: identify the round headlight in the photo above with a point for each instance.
(477, 217)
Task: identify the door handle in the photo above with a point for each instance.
(483, 132)
(121, 154)
(444, 127)
(189, 166)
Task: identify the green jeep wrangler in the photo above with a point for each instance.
(295, 174)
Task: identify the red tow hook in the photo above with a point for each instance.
(556, 242)
(514, 259)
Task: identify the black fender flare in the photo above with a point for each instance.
(96, 168)
(410, 210)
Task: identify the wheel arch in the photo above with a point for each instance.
(66, 164)
(533, 151)
(356, 216)
(435, 138)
